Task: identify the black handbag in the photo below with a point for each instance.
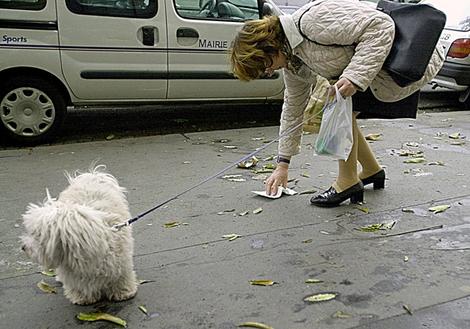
(417, 31)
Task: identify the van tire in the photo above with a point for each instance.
(32, 110)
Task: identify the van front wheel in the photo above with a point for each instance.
(31, 110)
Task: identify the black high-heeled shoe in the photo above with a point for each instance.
(331, 198)
(378, 179)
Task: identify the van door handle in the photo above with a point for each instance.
(186, 32)
(149, 35)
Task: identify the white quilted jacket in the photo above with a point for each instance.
(342, 24)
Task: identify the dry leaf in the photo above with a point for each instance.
(255, 325)
(305, 175)
(238, 180)
(270, 166)
(257, 210)
(243, 213)
(341, 315)
(230, 147)
(408, 309)
(231, 176)
(313, 281)
(101, 316)
(320, 298)
(262, 282)
(248, 163)
(409, 210)
(438, 209)
(231, 237)
(171, 224)
(47, 288)
(415, 160)
(405, 259)
(373, 137)
(308, 241)
(436, 163)
(143, 309)
(455, 136)
(145, 281)
(377, 227)
(49, 272)
(363, 209)
(109, 137)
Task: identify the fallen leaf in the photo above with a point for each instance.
(230, 147)
(255, 325)
(231, 176)
(305, 175)
(237, 180)
(263, 171)
(262, 282)
(363, 209)
(407, 309)
(109, 137)
(412, 144)
(373, 137)
(313, 281)
(308, 241)
(377, 227)
(225, 211)
(262, 177)
(320, 298)
(436, 163)
(243, 213)
(269, 158)
(47, 288)
(308, 192)
(145, 281)
(455, 136)
(405, 259)
(438, 209)
(257, 210)
(341, 315)
(248, 163)
(269, 166)
(409, 210)
(415, 160)
(171, 224)
(49, 272)
(460, 142)
(231, 237)
(143, 309)
(101, 316)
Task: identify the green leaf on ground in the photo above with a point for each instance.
(231, 237)
(171, 224)
(49, 272)
(255, 325)
(438, 209)
(373, 137)
(257, 210)
(341, 315)
(377, 227)
(143, 309)
(98, 316)
(313, 281)
(47, 288)
(262, 282)
(415, 160)
(320, 297)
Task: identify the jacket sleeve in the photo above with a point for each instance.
(296, 96)
(345, 23)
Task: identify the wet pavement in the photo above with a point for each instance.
(201, 280)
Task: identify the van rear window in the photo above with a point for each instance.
(116, 8)
(23, 4)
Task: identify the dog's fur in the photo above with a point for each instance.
(73, 235)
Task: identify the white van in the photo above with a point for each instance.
(60, 53)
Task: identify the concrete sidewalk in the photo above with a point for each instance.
(200, 280)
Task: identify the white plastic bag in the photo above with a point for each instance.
(335, 138)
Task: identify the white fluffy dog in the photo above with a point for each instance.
(73, 235)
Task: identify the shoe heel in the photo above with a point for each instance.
(379, 183)
(357, 197)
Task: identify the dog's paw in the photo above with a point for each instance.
(119, 296)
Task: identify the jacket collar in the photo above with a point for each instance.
(290, 30)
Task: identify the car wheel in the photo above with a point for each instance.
(31, 110)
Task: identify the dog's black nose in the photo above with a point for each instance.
(23, 247)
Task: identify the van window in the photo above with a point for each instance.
(23, 4)
(230, 10)
(116, 8)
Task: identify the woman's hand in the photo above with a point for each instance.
(345, 87)
(277, 178)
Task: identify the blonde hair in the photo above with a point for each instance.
(254, 46)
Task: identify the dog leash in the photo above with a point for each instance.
(117, 227)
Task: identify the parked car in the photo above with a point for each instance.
(60, 53)
(455, 74)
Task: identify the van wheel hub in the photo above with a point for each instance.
(27, 111)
